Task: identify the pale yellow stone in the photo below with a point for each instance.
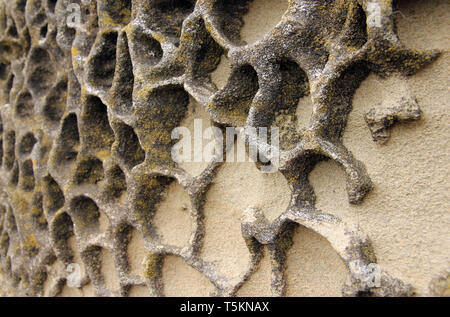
(313, 267)
(262, 17)
(181, 280)
(172, 220)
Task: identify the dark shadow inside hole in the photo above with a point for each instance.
(91, 256)
(166, 16)
(37, 211)
(103, 64)
(232, 104)
(62, 230)
(356, 34)
(149, 192)
(43, 32)
(89, 171)
(1, 151)
(24, 105)
(294, 85)
(85, 213)
(118, 10)
(14, 177)
(12, 30)
(4, 69)
(27, 143)
(4, 244)
(116, 183)
(40, 18)
(42, 75)
(122, 89)
(158, 114)
(10, 83)
(11, 220)
(127, 146)
(67, 149)
(51, 5)
(228, 14)
(27, 176)
(10, 144)
(70, 139)
(5, 49)
(96, 130)
(53, 195)
(55, 102)
(207, 58)
(20, 5)
(149, 52)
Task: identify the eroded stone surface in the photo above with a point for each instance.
(87, 115)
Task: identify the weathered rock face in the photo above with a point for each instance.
(92, 202)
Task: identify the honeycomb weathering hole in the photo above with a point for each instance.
(53, 195)
(85, 214)
(9, 152)
(96, 131)
(195, 112)
(14, 177)
(115, 183)
(233, 108)
(4, 69)
(27, 143)
(147, 54)
(37, 211)
(229, 17)
(122, 87)
(10, 221)
(118, 11)
(89, 107)
(294, 86)
(127, 146)
(157, 115)
(102, 62)
(166, 16)
(27, 176)
(89, 170)
(42, 72)
(12, 30)
(61, 230)
(4, 244)
(24, 105)
(44, 31)
(55, 101)
(148, 192)
(69, 139)
(207, 55)
(51, 4)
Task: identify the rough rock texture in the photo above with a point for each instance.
(87, 116)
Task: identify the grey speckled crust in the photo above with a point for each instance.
(88, 113)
